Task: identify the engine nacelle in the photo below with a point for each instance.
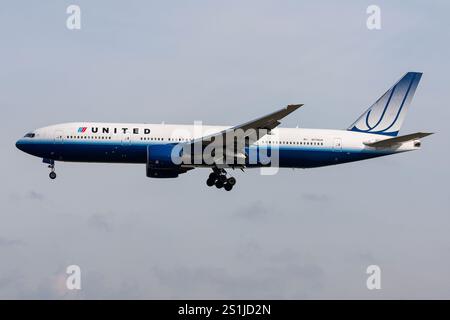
(164, 161)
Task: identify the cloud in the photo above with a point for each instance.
(6, 282)
(101, 221)
(367, 258)
(49, 288)
(315, 197)
(4, 242)
(254, 211)
(248, 250)
(30, 195)
(33, 195)
(262, 282)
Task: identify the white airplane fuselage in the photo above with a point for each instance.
(128, 142)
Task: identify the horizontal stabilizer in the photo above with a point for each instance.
(392, 142)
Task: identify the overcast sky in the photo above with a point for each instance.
(298, 234)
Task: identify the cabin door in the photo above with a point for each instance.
(59, 137)
(337, 145)
(126, 146)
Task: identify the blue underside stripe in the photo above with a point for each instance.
(136, 152)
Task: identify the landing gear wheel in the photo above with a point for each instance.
(52, 175)
(210, 182)
(231, 181)
(212, 176)
(228, 187)
(219, 184)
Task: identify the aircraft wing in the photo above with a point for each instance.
(245, 134)
(267, 122)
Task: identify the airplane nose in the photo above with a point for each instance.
(19, 144)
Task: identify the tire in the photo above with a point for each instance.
(210, 182)
(212, 176)
(231, 181)
(228, 187)
(219, 184)
(52, 175)
(223, 178)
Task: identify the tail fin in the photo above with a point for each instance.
(386, 115)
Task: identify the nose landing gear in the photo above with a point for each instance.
(52, 174)
(51, 166)
(219, 179)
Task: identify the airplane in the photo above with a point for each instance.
(169, 150)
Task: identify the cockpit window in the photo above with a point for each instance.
(30, 135)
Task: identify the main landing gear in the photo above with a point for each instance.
(219, 179)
